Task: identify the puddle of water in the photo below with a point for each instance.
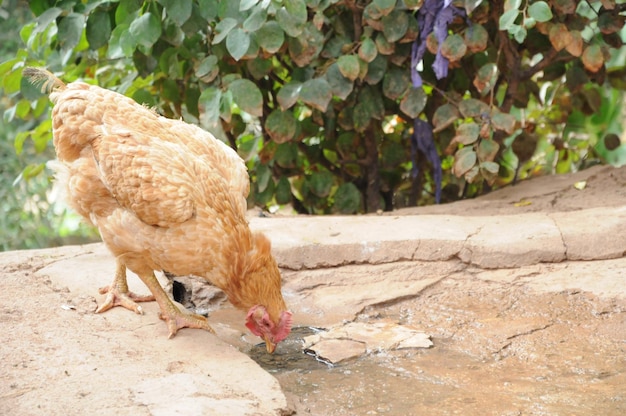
(548, 354)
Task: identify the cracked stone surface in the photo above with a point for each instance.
(525, 305)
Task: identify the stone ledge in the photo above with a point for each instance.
(485, 241)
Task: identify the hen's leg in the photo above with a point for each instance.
(119, 295)
(170, 313)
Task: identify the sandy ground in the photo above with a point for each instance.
(521, 290)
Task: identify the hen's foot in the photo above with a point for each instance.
(176, 320)
(126, 299)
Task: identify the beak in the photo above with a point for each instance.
(269, 345)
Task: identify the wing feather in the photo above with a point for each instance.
(151, 177)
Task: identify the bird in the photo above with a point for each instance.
(165, 195)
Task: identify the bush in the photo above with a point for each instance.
(352, 106)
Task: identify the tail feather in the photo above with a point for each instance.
(49, 82)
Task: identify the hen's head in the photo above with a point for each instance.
(259, 323)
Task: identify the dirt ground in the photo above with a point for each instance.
(540, 339)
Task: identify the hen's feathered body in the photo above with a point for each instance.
(165, 195)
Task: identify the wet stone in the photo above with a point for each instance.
(349, 339)
(333, 351)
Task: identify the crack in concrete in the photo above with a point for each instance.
(521, 334)
(530, 331)
(399, 299)
(465, 247)
(47, 261)
(556, 225)
(414, 254)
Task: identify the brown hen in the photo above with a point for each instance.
(164, 195)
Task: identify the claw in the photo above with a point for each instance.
(116, 297)
(176, 320)
(119, 295)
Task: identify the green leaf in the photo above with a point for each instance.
(208, 9)
(237, 43)
(453, 48)
(320, 183)
(347, 199)
(32, 170)
(288, 95)
(247, 5)
(467, 133)
(46, 18)
(503, 121)
(487, 150)
(223, 28)
(286, 154)
(371, 98)
(12, 82)
(393, 154)
(296, 9)
(209, 104)
(444, 116)
(473, 108)
(486, 78)
(122, 43)
(270, 37)
(208, 69)
(256, 19)
(98, 29)
(413, 102)
(464, 160)
(263, 176)
(491, 167)
(593, 57)
(259, 67)
(341, 86)
(395, 83)
(361, 116)
(306, 47)
(283, 191)
(472, 175)
(512, 4)
(292, 17)
(170, 64)
(540, 11)
(470, 5)
(281, 126)
(395, 25)
(127, 11)
(519, 33)
(22, 108)
(247, 96)
(368, 51)
(170, 91)
(489, 171)
(265, 197)
(383, 46)
(42, 135)
(316, 93)
(70, 30)
(29, 91)
(349, 66)
(146, 29)
(476, 38)
(507, 20)
(144, 97)
(178, 10)
(376, 70)
(385, 6)
(18, 143)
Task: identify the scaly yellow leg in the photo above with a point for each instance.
(170, 313)
(119, 295)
